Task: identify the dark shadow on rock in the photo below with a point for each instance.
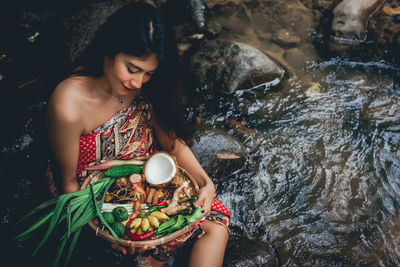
(258, 251)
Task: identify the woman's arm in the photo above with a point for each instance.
(185, 158)
(188, 161)
(65, 129)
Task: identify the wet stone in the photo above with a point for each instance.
(350, 18)
(294, 57)
(81, 27)
(286, 38)
(207, 142)
(252, 252)
(224, 66)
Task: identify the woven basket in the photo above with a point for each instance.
(94, 224)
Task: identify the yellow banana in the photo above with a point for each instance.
(153, 221)
(134, 230)
(136, 223)
(162, 217)
(139, 231)
(145, 224)
(125, 222)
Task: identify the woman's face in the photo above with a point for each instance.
(126, 73)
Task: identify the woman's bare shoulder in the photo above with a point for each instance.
(72, 87)
(67, 99)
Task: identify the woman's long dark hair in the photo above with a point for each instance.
(137, 29)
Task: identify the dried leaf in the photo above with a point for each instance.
(227, 156)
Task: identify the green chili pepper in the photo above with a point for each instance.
(195, 215)
(179, 221)
(165, 225)
(154, 208)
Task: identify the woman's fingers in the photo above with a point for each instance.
(131, 248)
(145, 248)
(119, 248)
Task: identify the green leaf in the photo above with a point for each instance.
(60, 250)
(38, 208)
(58, 209)
(102, 217)
(72, 245)
(69, 219)
(38, 224)
(78, 208)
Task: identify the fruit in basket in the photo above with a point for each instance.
(154, 222)
(162, 217)
(145, 224)
(120, 214)
(118, 228)
(136, 223)
(160, 169)
(108, 216)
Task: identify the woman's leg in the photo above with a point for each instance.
(209, 250)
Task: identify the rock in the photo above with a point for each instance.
(286, 38)
(252, 252)
(198, 10)
(350, 19)
(81, 27)
(295, 58)
(225, 66)
(207, 142)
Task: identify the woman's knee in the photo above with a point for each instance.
(215, 229)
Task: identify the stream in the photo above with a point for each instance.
(320, 185)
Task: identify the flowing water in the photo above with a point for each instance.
(325, 187)
(321, 182)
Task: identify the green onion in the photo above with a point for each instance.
(76, 209)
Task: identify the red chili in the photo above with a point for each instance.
(162, 203)
(136, 236)
(141, 236)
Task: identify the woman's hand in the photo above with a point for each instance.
(206, 197)
(131, 249)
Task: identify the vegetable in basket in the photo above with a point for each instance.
(120, 214)
(75, 209)
(108, 216)
(122, 171)
(118, 228)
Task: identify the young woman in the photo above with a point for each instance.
(122, 102)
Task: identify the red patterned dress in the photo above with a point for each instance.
(129, 134)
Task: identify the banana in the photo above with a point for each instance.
(162, 217)
(134, 230)
(136, 223)
(153, 221)
(139, 231)
(145, 224)
(125, 222)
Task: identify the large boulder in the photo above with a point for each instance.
(222, 66)
(350, 18)
(208, 142)
(346, 21)
(81, 26)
